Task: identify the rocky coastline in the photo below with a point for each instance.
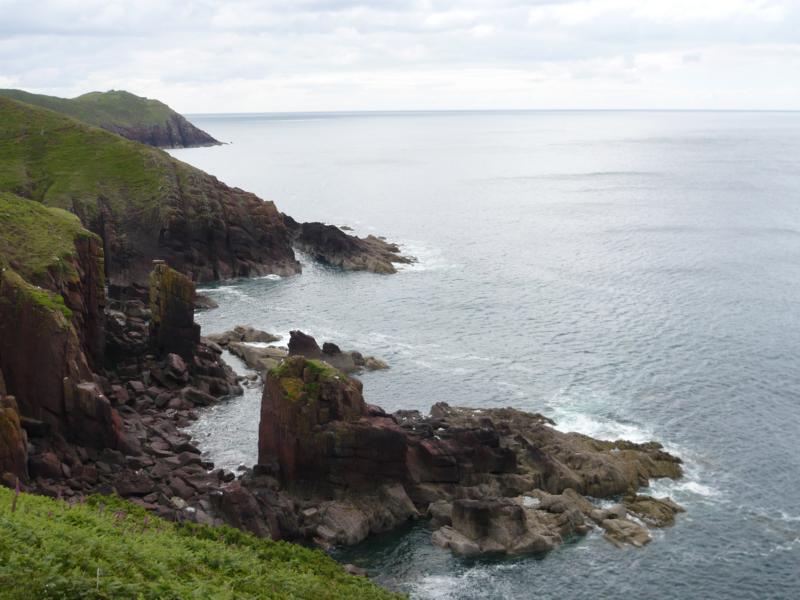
(102, 366)
(332, 469)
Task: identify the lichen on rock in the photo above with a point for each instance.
(172, 326)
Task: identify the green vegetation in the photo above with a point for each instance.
(103, 109)
(293, 368)
(61, 162)
(291, 373)
(28, 292)
(108, 548)
(323, 369)
(37, 239)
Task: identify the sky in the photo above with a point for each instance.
(209, 56)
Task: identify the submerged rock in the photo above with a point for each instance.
(658, 512)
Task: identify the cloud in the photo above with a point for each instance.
(249, 55)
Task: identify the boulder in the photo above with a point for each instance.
(258, 359)
(176, 367)
(243, 333)
(197, 397)
(656, 512)
(302, 344)
(496, 526)
(342, 524)
(624, 531)
(46, 465)
(204, 302)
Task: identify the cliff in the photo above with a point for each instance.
(141, 202)
(51, 321)
(140, 119)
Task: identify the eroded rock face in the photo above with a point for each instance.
(495, 481)
(175, 132)
(331, 246)
(301, 398)
(45, 352)
(172, 326)
(213, 232)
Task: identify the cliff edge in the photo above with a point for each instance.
(140, 119)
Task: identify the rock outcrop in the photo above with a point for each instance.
(351, 361)
(243, 333)
(51, 321)
(239, 342)
(172, 326)
(331, 246)
(175, 131)
(494, 481)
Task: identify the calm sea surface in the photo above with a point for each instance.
(630, 274)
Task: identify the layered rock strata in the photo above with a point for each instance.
(493, 480)
(155, 392)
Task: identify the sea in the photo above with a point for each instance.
(630, 274)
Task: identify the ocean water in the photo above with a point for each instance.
(630, 274)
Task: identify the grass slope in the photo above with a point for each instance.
(102, 109)
(35, 238)
(67, 164)
(108, 548)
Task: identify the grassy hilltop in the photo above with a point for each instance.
(144, 203)
(141, 119)
(108, 548)
(65, 163)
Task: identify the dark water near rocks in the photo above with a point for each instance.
(630, 274)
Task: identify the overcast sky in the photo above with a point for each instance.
(252, 56)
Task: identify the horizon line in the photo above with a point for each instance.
(482, 110)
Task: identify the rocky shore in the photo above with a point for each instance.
(335, 469)
(102, 366)
(241, 341)
(332, 469)
(331, 246)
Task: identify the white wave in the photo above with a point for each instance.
(574, 416)
(232, 290)
(599, 427)
(270, 277)
(260, 344)
(428, 258)
(491, 579)
(787, 517)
